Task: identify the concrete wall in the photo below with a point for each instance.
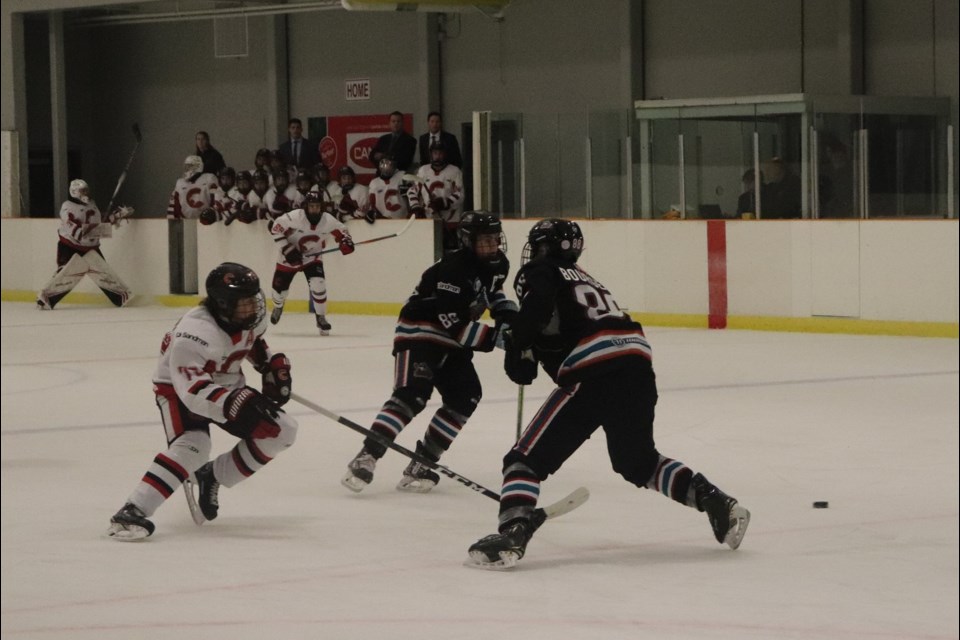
(875, 270)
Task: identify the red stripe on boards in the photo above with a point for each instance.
(717, 273)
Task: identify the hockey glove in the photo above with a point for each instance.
(247, 214)
(277, 380)
(250, 414)
(346, 245)
(347, 205)
(418, 211)
(520, 365)
(370, 216)
(292, 255)
(438, 204)
(208, 216)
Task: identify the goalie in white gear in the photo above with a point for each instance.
(301, 234)
(78, 250)
(193, 192)
(199, 381)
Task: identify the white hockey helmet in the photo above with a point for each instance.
(80, 190)
(192, 165)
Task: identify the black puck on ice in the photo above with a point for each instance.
(821, 504)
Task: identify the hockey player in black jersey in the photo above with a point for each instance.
(600, 359)
(435, 337)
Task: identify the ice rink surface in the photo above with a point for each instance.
(778, 420)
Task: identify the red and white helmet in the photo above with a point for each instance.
(80, 190)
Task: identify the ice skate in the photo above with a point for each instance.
(276, 313)
(43, 304)
(323, 325)
(502, 550)
(359, 471)
(130, 524)
(728, 519)
(209, 490)
(417, 477)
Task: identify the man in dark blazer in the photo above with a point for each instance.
(298, 151)
(398, 144)
(435, 133)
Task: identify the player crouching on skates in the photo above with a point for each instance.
(601, 362)
(436, 335)
(198, 381)
(78, 250)
(300, 234)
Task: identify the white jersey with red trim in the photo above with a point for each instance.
(191, 196)
(80, 224)
(227, 203)
(445, 184)
(255, 202)
(293, 230)
(202, 362)
(388, 197)
(359, 195)
(333, 190)
(278, 204)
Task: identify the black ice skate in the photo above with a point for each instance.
(728, 519)
(276, 313)
(323, 325)
(209, 490)
(417, 477)
(359, 471)
(502, 550)
(130, 524)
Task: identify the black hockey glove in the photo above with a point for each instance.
(520, 364)
(370, 216)
(208, 216)
(250, 414)
(292, 256)
(277, 381)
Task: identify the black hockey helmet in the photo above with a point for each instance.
(244, 181)
(314, 198)
(438, 154)
(387, 167)
(227, 178)
(346, 172)
(261, 177)
(553, 237)
(474, 224)
(304, 180)
(281, 179)
(226, 286)
(321, 173)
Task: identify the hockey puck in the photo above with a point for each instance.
(821, 504)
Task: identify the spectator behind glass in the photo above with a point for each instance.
(434, 134)
(212, 160)
(398, 144)
(747, 202)
(782, 194)
(298, 151)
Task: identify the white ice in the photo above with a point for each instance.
(778, 420)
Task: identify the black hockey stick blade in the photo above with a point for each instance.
(136, 133)
(559, 508)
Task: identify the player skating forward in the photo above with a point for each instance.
(78, 250)
(199, 380)
(301, 234)
(601, 362)
(435, 337)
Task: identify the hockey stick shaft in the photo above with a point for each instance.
(427, 462)
(576, 498)
(520, 389)
(377, 239)
(123, 176)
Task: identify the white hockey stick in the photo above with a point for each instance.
(566, 505)
(377, 239)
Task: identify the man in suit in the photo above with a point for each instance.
(435, 133)
(298, 151)
(397, 144)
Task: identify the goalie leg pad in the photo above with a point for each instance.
(62, 282)
(107, 279)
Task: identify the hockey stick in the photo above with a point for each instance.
(377, 239)
(123, 176)
(520, 388)
(566, 505)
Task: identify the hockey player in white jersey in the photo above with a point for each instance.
(227, 198)
(301, 234)
(199, 381)
(387, 195)
(321, 174)
(78, 250)
(282, 196)
(354, 198)
(438, 194)
(193, 192)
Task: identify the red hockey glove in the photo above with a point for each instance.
(277, 380)
(346, 245)
(250, 414)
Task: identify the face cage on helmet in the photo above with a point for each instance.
(471, 243)
(227, 309)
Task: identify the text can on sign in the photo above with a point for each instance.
(358, 89)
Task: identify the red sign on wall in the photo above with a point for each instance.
(348, 140)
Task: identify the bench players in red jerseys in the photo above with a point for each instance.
(601, 361)
(199, 381)
(433, 345)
